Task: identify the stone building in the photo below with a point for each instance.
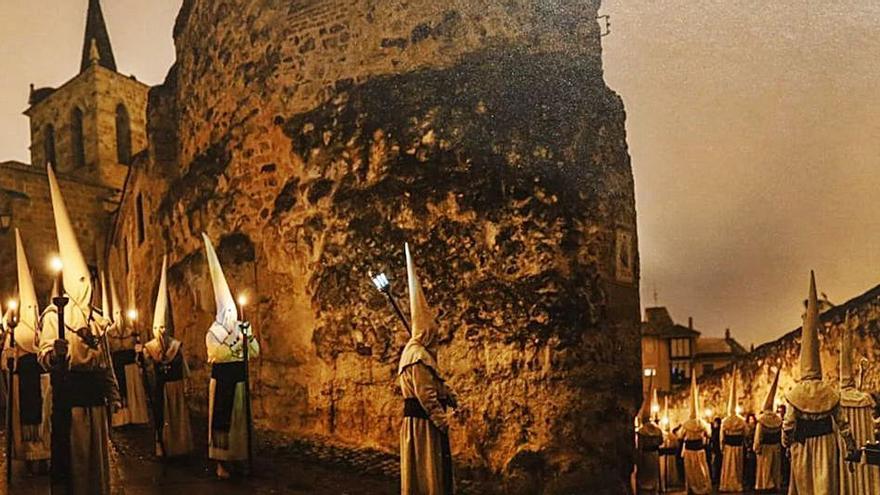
(89, 128)
(756, 370)
(672, 352)
(310, 140)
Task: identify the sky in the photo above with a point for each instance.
(41, 43)
(753, 129)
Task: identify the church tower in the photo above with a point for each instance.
(91, 126)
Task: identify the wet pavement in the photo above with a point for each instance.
(281, 467)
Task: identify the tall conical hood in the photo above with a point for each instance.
(655, 402)
(115, 303)
(424, 327)
(227, 314)
(771, 395)
(77, 279)
(731, 399)
(811, 366)
(105, 299)
(665, 419)
(161, 308)
(28, 308)
(695, 398)
(847, 379)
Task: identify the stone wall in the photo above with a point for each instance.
(24, 191)
(311, 139)
(755, 371)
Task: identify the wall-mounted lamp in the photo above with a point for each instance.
(5, 221)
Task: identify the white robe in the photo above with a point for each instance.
(768, 471)
(134, 405)
(732, 455)
(858, 408)
(421, 444)
(696, 468)
(815, 465)
(669, 463)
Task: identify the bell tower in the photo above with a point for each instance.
(91, 126)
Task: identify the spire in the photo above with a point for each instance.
(811, 365)
(731, 400)
(96, 32)
(771, 395)
(847, 380)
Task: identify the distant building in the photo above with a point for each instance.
(672, 352)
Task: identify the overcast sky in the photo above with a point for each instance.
(753, 129)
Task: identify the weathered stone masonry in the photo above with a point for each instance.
(311, 139)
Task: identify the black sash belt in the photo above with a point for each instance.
(812, 428)
(121, 359)
(667, 451)
(693, 445)
(650, 448)
(227, 375)
(30, 391)
(412, 408)
(771, 438)
(86, 388)
(733, 440)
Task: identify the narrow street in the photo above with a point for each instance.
(281, 467)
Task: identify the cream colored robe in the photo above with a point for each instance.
(814, 462)
(134, 410)
(421, 461)
(732, 455)
(177, 436)
(858, 408)
(696, 468)
(89, 435)
(768, 471)
(221, 352)
(669, 463)
(648, 438)
(37, 447)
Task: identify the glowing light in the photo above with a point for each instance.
(242, 300)
(739, 411)
(12, 304)
(664, 421)
(55, 264)
(132, 314)
(380, 281)
(650, 372)
(708, 412)
(655, 408)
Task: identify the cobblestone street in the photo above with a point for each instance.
(281, 467)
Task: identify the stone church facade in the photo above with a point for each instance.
(310, 140)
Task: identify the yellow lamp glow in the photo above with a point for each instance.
(708, 413)
(12, 304)
(132, 314)
(55, 264)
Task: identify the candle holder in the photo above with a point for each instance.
(383, 285)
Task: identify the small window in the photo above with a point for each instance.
(680, 348)
(49, 145)
(141, 234)
(77, 138)
(680, 372)
(123, 135)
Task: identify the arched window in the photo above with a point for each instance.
(123, 135)
(77, 138)
(49, 144)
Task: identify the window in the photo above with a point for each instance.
(140, 219)
(49, 144)
(77, 138)
(650, 372)
(680, 372)
(123, 136)
(708, 368)
(680, 348)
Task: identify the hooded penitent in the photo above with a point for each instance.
(811, 394)
(423, 327)
(26, 333)
(227, 314)
(733, 430)
(76, 276)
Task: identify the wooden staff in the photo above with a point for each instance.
(10, 330)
